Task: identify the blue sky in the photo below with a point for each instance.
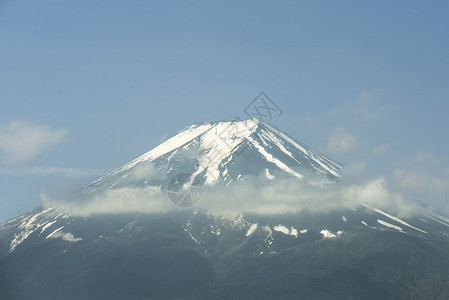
(86, 86)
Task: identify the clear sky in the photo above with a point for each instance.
(86, 86)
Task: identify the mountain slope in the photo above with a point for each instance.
(189, 255)
(359, 252)
(226, 152)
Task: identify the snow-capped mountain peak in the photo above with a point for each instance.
(228, 151)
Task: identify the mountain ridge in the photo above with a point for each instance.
(207, 149)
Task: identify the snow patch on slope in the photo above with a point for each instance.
(251, 229)
(54, 232)
(389, 225)
(269, 234)
(395, 219)
(18, 239)
(28, 225)
(442, 220)
(326, 164)
(269, 176)
(270, 158)
(292, 231)
(282, 229)
(47, 225)
(327, 234)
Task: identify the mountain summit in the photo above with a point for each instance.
(225, 152)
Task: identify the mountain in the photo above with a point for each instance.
(359, 252)
(226, 152)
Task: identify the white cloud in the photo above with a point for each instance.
(111, 201)
(66, 236)
(361, 110)
(254, 195)
(422, 186)
(354, 170)
(423, 179)
(144, 170)
(22, 141)
(291, 195)
(355, 123)
(127, 199)
(341, 142)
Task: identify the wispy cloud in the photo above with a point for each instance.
(341, 142)
(353, 126)
(358, 112)
(424, 178)
(290, 195)
(256, 194)
(112, 201)
(21, 141)
(362, 109)
(380, 150)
